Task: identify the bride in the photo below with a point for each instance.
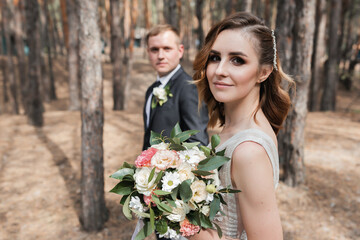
(238, 76)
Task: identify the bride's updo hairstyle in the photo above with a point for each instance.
(274, 101)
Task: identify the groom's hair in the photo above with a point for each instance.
(160, 29)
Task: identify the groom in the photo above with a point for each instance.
(175, 99)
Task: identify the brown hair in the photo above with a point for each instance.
(274, 101)
(160, 29)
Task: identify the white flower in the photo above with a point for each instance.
(192, 156)
(141, 177)
(199, 191)
(160, 94)
(179, 213)
(164, 159)
(209, 198)
(216, 178)
(170, 181)
(205, 210)
(161, 146)
(135, 204)
(171, 234)
(184, 171)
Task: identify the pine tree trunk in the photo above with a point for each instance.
(328, 102)
(94, 212)
(7, 18)
(199, 15)
(58, 39)
(318, 57)
(296, 61)
(34, 102)
(73, 55)
(19, 45)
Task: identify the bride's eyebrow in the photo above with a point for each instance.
(231, 53)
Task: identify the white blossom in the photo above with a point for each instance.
(142, 184)
(170, 181)
(192, 156)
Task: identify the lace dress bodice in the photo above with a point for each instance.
(230, 222)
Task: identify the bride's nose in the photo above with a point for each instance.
(221, 69)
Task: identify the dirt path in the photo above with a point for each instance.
(40, 171)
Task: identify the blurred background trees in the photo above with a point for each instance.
(318, 41)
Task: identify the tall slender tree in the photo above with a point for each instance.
(34, 101)
(295, 31)
(199, 5)
(93, 209)
(73, 55)
(328, 101)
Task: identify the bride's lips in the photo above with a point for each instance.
(219, 84)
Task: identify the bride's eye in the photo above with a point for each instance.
(214, 58)
(237, 60)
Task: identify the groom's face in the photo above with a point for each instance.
(165, 52)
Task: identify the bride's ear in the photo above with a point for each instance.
(264, 73)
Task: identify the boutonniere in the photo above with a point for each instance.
(160, 96)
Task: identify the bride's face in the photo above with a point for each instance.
(233, 70)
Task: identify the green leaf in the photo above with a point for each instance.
(146, 231)
(176, 130)
(155, 138)
(123, 188)
(205, 221)
(185, 190)
(194, 217)
(165, 208)
(153, 103)
(221, 153)
(161, 192)
(215, 141)
(158, 178)
(186, 135)
(128, 165)
(206, 150)
(214, 207)
(120, 174)
(161, 226)
(174, 193)
(218, 230)
(190, 145)
(126, 209)
(221, 199)
(141, 214)
(202, 173)
(212, 163)
(175, 141)
(171, 202)
(151, 176)
(177, 147)
(152, 218)
(123, 199)
(229, 190)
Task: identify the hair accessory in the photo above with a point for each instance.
(274, 47)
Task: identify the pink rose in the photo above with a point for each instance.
(144, 160)
(164, 159)
(187, 229)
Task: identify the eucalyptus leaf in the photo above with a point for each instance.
(206, 150)
(161, 192)
(161, 226)
(176, 130)
(146, 231)
(126, 209)
(151, 176)
(186, 135)
(164, 207)
(214, 207)
(212, 163)
(152, 218)
(123, 199)
(158, 178)
(177, 147)
(120, 174)
(128, 165)
(202, 173)
(155, 138)
(190, 145)
(221, 153)
(215, 141)
(185, 190)
(205, 221)
(123, 188)
(174, 193)
(218, 230)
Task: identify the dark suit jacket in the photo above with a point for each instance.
(182, 107)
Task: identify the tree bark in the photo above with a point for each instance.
(328, 101)
(296, 58)
(65, 23)
(171, 13)
(199, 15)
(94, 212)
(73, 55)
(318, 57)
(34, 102)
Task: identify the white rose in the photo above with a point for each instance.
(199, 191)
(192, 156)
(161, 146)
(160, 93)
(179, 213)
(184, 171)
(141, 177)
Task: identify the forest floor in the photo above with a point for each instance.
(40, 168)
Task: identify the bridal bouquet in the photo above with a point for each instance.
(174, 186)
